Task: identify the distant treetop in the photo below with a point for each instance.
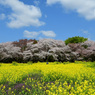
(75, 39)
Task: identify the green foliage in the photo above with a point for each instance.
(85, 46)
(90, 64)
(36, 74)
(14, 63)
(66, 62)
(56, 62)
(50, 58)
(75, 39)
(35, 42)
(30, 62)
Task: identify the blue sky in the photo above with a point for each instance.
(38, 19)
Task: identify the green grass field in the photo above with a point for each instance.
(47, 79)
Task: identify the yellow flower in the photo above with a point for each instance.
(60, 90)
(3, 87)
(9, 88)
(51, 88)
(47, 91)
(40, 87)
(29, 90)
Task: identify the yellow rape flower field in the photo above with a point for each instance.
(55, 78)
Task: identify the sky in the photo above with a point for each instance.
(39, 19)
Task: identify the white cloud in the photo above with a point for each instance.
(86, 34)
(85, 8)
(45, 16)
(2, 16)
(30, 34)
(23, 15)
(40, 38)
(35, 34)
(36, 2)
(48, 33)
